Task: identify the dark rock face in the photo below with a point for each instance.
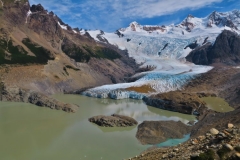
(192, 45)
(37, 8)
(14, 94)
(154, 132)
(200, 55)
(113, 121)
(226, 49)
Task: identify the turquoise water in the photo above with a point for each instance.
(28, 132)
(173, 142)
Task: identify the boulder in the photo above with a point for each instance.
(229, 147)
(214, 131)
(230, 125)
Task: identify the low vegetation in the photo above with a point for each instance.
(223, 152)
(208, 155)
(85, 52)
(10, 54)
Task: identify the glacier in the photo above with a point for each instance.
(164, 48)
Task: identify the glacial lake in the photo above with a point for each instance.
(28, 132)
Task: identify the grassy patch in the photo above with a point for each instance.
(76, 53)
(19, 55)
(84, 52)
(107, 53)
(142, 89)
(208, 155)
(102, 52)
(42, 54)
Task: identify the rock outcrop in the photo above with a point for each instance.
(177, 101)
(15, 94)
(114, 120)
(226, 49)
(154, 132)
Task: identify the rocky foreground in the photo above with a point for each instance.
(114, 120)
(214, 144)
(15, 94)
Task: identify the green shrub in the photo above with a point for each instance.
(208, 155)
(20, 56)
(222, 152)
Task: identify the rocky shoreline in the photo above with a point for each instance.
(15, 94)
(213, 144)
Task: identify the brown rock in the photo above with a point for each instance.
(113, 121)
(230, 125)
(214, 131)
(154, 132)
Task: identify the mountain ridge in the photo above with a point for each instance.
(35, 40)
(190, 22)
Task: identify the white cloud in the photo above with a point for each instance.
(112, 12)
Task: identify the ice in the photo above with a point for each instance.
(28, 14)
(94, 34)
(164, 50)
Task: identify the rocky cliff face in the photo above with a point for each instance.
(225, 50)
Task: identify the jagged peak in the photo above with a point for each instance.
(134, 23)
(37, 8)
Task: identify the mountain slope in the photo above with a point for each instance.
(225, 49)
(47, 55)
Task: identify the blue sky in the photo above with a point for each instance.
(109, 15)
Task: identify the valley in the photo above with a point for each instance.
(177, 81)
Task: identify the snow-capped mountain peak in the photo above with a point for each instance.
(165, 48)
(230, 19)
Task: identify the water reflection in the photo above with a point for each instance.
(114, 129)
(28, 132)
